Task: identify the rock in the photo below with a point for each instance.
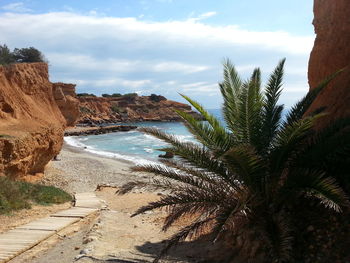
(98, 130)
(64, 95)
(167, 155)
(330, 53)
(130, 109)
(31, 124)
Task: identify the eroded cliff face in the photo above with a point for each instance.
(330, 53)
(95, 110)
(65, 98)
(31, 124)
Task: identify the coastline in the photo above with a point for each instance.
(78, 170)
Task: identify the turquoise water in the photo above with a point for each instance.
(133, 145)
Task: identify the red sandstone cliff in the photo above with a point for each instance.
(64, 95)
(31, 123)
(331, 52)
(130, 109)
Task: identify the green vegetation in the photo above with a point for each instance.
(130, 95)
(15, 195)
(86, 95)
(20, 55)
(249, 179)
(111, 95)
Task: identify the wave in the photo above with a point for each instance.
(134, 159)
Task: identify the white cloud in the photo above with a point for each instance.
(18, 7)
(200, 87)
(203, 16)
(102, 53)
(180, 67)
(89, 63)
(171, 32)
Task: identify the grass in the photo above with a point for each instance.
(15, 195)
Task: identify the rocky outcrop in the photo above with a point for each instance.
(97, 110)
(331, 52)
(65, 97)
(82, 131)
(31, 124)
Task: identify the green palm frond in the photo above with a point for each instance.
(271, 111)
(230, 89)
(215, 138)
(173, 174)
(247, 177)
(249, 168)
(329, 147)
(314, 183)
(302, 106)
(289, 142)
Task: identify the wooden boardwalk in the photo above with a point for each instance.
(22, 238)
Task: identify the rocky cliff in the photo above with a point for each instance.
(31, 123)
(331, 52)
(95, 110)
(64, 95)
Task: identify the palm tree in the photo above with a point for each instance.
(245, 178)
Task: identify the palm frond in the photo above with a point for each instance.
(313, 183)
(302, 106)
(271, 111)
(288, 141)
(230, 89)
(173, 174)
(215, 138)
(249, 168)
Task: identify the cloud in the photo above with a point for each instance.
(103, 53)
(18, 7)
(203, 16)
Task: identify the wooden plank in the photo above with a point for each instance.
(49, 223)
(79, 212)
(88, 203)
(85, 195)
(16, 241)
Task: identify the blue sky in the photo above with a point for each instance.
(163, 46)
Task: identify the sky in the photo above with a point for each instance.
(164, 47)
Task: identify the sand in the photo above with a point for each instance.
(113, 236)
(80, 171)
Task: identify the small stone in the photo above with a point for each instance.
(84, 251)
(76, 248)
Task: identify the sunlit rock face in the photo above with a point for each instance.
(31, 123)
(67, 102)
(330, 53)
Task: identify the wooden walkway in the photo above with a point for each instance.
(22, 238)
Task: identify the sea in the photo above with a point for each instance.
(133, 146)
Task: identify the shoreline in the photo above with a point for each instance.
(78, 170)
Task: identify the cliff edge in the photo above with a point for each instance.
(130, 108)
(31, 123)
(330, 53)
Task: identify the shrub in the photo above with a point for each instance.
(111, 95)
(6, 56)
(85, 95)
(248, 179)
(28, 55)
(130, 95)
(15, 195)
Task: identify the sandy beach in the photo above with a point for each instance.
(80, 171)
(113, 235)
